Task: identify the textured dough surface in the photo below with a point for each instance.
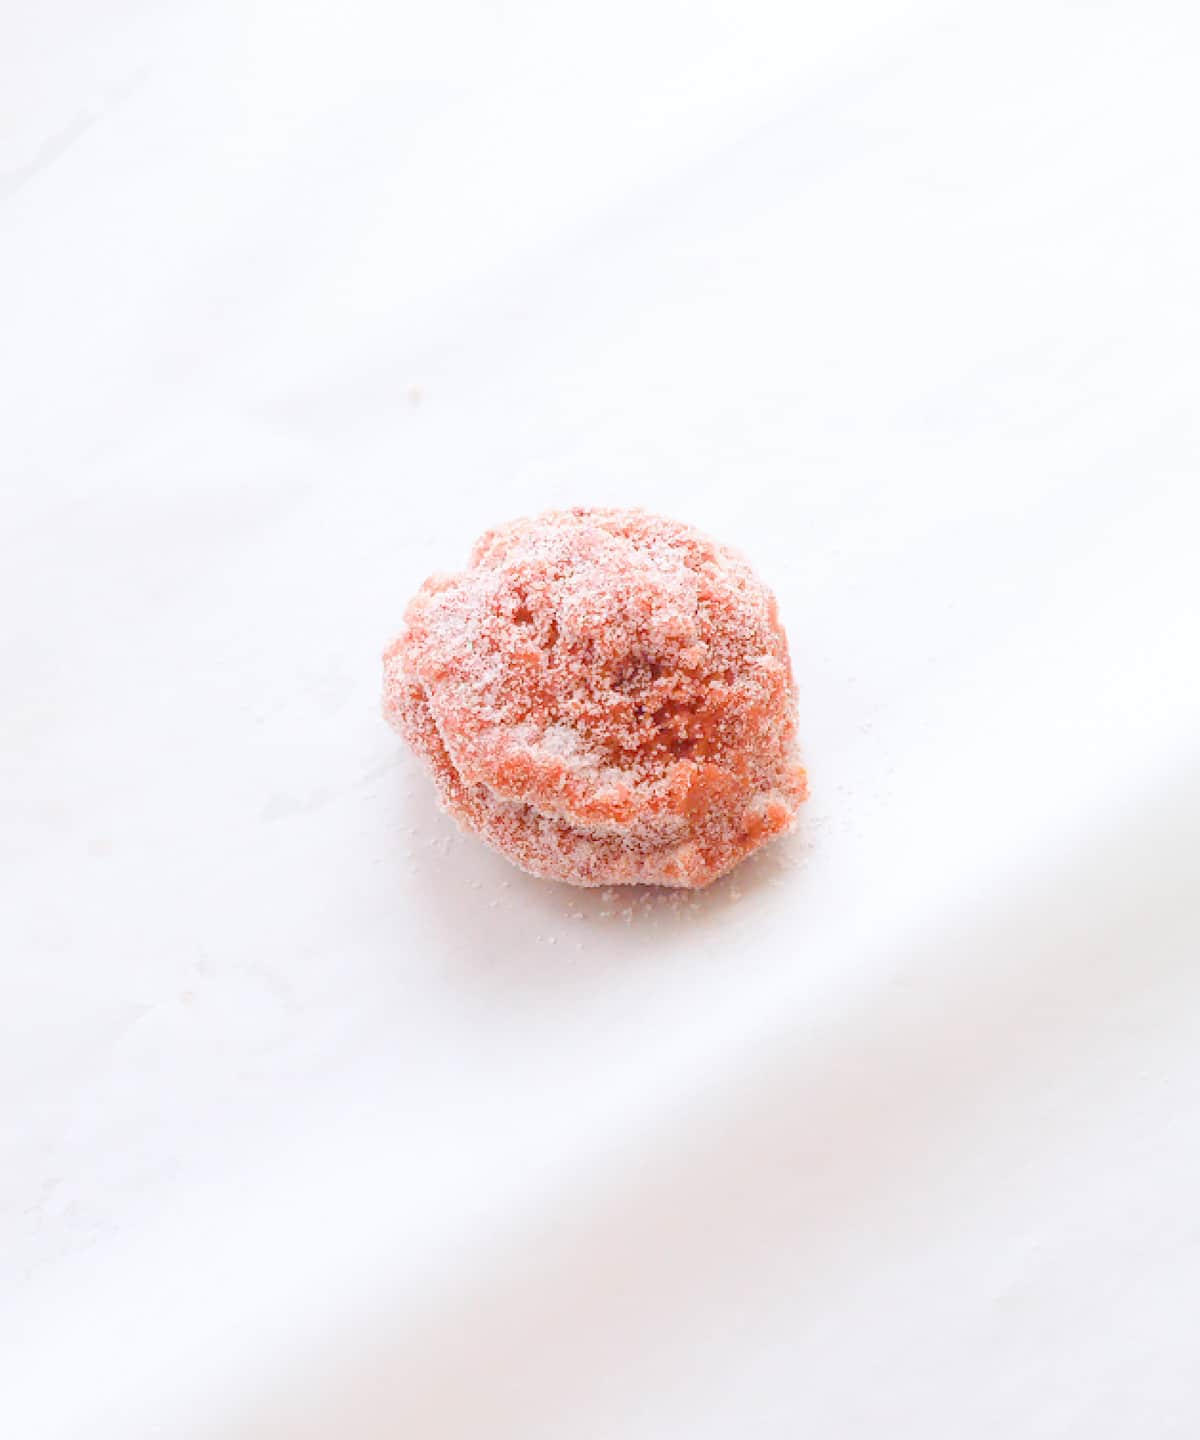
(605, 696)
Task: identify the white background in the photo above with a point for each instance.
(316, 1118)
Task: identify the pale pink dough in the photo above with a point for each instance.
(605, 696)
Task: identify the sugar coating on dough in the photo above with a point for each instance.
(605, 696)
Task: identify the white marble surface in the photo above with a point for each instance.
(315, 1118)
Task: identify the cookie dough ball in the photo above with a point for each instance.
(605, 696)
